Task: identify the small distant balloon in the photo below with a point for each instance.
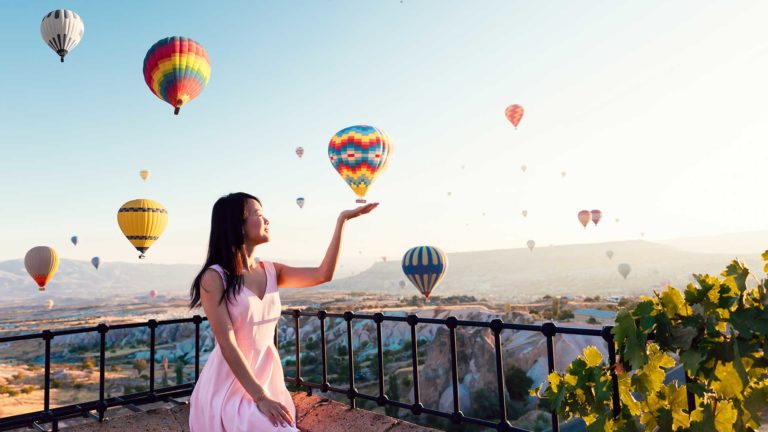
(584, 217)
(49, 304)
(624, 270)
(531, 244)
(609, 254)
(153, 293)
(462, 167)
(142, 222)
(596, 215)
(145, 174)
(299, 152)
(642, 234)
(562, 174)
(401, 284)
(95, 261)
(73, 240)
(514, 114)
(617, 220)
(525, 213)
(523, 168)
(300, 202)
(384, 259)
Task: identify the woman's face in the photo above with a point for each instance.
(256, 224)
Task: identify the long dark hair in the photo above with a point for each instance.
(225, 245)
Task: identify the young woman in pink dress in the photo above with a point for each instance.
(241, 387)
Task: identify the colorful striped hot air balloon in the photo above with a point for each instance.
(41, 263)
(514, 114)
(359, 154)
(425, 267)
(176, 69)
(142, 222)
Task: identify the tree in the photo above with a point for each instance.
(139, 365)
(518, 383)
(178, 368)
(393, 393)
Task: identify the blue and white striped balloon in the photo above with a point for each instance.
(425, 267)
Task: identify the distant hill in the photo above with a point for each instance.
(509, 274)
(582, 269)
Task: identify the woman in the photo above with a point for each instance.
(241, 387)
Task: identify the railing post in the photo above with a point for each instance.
(456, 415)
(417, 407)
(47, 336)
(550, 330)
(615, 397)
(378, 318)
(323, 354)
(296, 314)
(197, 320)
(496, 327)
(103, 328)
(152, 329)
(352, 392)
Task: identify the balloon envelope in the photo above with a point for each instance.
(584, 217)
(142, 222)
(609, 254)
(359, 154)
(300, 202)
(524, 168)
(624, 270)
(401, 284)
(153, 293)
(514, 114)
(62, 30)
(525, 213)
(145, 174)
(176, 69)
(95, 261)
(299, 152)
(49, 304)
(425, 267)
(596, 215)
(531, 244)
(41, 263)
(73, 240)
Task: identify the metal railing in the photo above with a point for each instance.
(549, 330)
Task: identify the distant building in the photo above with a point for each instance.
(601, 316)
(614, 299)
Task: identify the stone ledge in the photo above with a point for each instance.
(316, 414)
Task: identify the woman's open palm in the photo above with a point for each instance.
(353, 213)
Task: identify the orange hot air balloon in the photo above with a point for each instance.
(596, 215)
(41, 263)
(514, 113)
(584, 217)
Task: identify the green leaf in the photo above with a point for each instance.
(691, 360)
(631, 342)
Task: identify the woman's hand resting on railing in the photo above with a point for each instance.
(275, 411)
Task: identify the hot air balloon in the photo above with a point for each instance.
(562, 174)
(609, 254)
(73, 239)
(153, 293)
(449, 194)
(525, 213)
(384, 259)
(359, 154)
(145, 174)
(95, 261)
(49, 304)
(523, 168)
(142, 222)
(596, 215)
(584, 216)
(401, 284)
(617, 220)
(425, 267)
(41, 263)
(176, 69)
(624, 270)
(531, 244)
(300, 202)
(299, 152)
(62, 30)
(514, 113)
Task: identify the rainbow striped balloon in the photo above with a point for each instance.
(176, 69)
(359, 154)
(425, 267)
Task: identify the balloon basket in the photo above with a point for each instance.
(142, 256)
(360, 201)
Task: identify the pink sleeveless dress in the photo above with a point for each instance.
(219, 403)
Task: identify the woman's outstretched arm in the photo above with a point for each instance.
(302, 277)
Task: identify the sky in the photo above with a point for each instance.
(655, 110)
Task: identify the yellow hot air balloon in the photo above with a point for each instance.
(142, 222)
(145, 174)
(41, 263)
